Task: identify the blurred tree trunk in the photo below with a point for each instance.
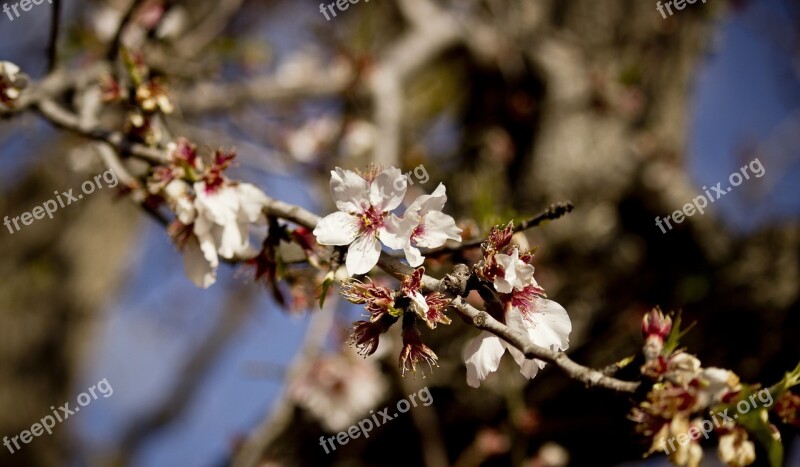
(58, 276)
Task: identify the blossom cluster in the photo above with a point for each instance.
(146, 96)
(213, 215)
(365, 219)
(683, 393)
(525, 309)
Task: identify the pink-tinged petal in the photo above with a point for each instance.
(198, 268)
(396, 231)
(437, 228)
(482, 356)
(388, 189)
(548, 325)
(432, 202)
(363, 254)
(339, 228)
(349, 190)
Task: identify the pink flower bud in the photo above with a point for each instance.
(655, 323)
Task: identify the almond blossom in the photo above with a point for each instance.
(213, 214)
(364, 202)
(525, 310)
(424, 225)
(546, 324)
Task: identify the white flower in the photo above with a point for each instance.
(425, 225)
(224, 215)
(339, 389)
(361, 221)
(546, 324)
(222, 219)
(517, 274)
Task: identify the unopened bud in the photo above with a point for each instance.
(656, 324)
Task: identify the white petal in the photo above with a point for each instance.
(413, 256)
(339, 228)
(349, 190)
(219, 206)
(549, 324)
(528, 367)
(502, 285)
(199, 269)
(437, 228)
(419, 304)
(432, 202)
(230, 239)
(482, 356)
(396, 231)
(388, 189)
(251, 202)
(363, 254)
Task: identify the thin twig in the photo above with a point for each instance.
(553, 212)
(116, 42)
(52, 48)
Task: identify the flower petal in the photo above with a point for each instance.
(432, 202)
(437, 228)
(349, 190)
(198, 268)
(549, 324)
(363, 254)
(482, 356)
(396, 231)
(528, 367)
(339, 228)
(388, 189)
(251, 202)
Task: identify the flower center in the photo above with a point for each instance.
(370, 219)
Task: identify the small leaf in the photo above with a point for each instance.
(675, 335)
(326, 285)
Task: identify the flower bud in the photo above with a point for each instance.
(656, 324)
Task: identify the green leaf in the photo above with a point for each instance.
(326, 285)
(675, 335)
(757, 423)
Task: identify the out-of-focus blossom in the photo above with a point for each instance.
(735, 449)
(339, 390)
